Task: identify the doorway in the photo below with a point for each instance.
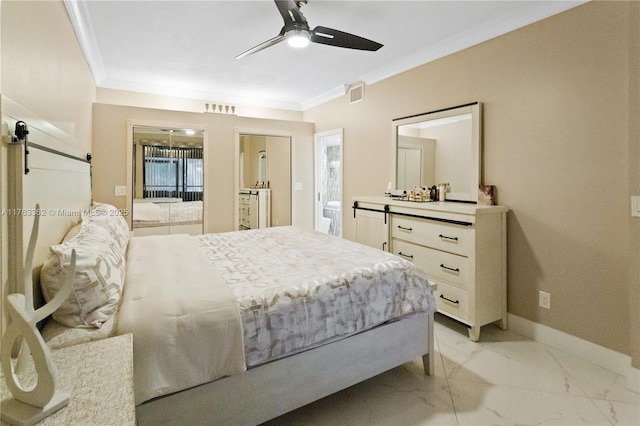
(264, 179)
(328, 182)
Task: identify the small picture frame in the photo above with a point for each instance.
(486, 195)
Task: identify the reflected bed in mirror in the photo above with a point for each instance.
(440, 147)
(168, 181)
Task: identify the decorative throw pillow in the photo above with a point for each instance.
(110, 218)
(71, 234)
(58, 336)
(98, 280)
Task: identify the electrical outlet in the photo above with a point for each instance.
(544, 299)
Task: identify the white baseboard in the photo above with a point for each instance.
(596, 354)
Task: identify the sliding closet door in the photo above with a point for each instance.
(168, 184)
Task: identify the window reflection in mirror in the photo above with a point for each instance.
(440, 147)
(168, 184)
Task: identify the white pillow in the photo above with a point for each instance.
(98, 281)
(110, 218)
(72, 232)
(58, 336)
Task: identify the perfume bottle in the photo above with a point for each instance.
(388, 191)
(433, 193)
(442, 191)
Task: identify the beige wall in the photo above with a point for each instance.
(110, 158)
(557, 142)
(145, 100)
(43, 67)
(634, 178)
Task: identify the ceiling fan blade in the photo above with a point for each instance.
(290, 12)
(277, 39)
(324, 35)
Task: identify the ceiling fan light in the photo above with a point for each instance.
(298, 38)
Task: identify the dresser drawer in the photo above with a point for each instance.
(442, 265)
(245, 218)
(452, 300)
(452, 238)
(244, 198)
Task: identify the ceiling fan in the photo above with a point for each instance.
(296, 31)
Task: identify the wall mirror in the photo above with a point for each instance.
(438, 147)
(264, 180)
(168, 180)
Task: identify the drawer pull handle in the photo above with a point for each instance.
(448, 238)
(449, 300)
(408, 256)
(443, 266)
(405, 229)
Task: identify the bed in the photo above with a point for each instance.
(220, 311)
(292, 309)
(161, 216)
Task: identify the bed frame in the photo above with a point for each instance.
(276, 387)
(281, 386)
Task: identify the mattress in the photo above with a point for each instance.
(298, 289)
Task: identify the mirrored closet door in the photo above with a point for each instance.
(264, 197)
(168, 181)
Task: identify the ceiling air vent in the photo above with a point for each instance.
(356, 93)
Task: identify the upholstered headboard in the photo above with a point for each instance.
(46, 166)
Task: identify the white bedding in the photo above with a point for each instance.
(146, 212)
(205, 307)
(155, 212)
(183, 316)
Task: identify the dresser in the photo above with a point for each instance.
(254, 208)
(462, 248)
(97, 376)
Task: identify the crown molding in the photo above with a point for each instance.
(77, 11)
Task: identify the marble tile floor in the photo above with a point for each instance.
(505, 379)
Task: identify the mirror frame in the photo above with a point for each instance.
(475, 108)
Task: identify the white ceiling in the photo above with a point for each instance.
(187, 48)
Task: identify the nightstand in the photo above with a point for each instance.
(98, 376)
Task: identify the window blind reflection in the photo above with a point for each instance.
(173, 173)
